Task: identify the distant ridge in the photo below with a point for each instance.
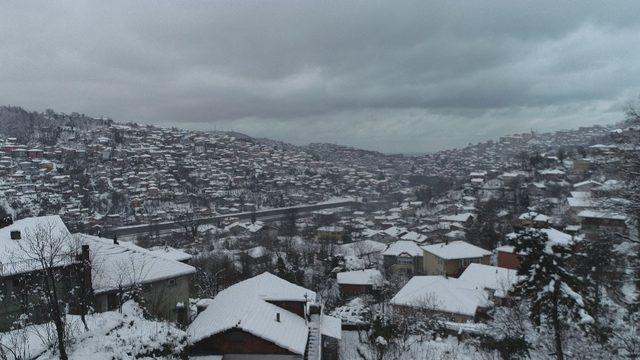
(25, 125)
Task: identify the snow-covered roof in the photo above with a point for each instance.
(360, 277)
(414, 236)
(587, 182)
(551, 172)
(539, 185)
(363, 247)
(125, 264)
(456, 250)
(14, 254)
(611, 185)
(403, 247)
(490, 277)
(171, 253)
(506, 248)
(580, 202)
(249, 226)
(244, 306)
(532, 215)
(464, 217)
(370, 232)
(331, 326)
(601, 214)
(256, 252)
(580, 194)
(332, 229)
(395, 231)
(442, 294)
(557, 236)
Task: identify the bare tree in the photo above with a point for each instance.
(190, 224)
(130, 275)
(50, 250)
(213, 272)
(14, 345)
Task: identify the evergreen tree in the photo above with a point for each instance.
(282, 270)
(548, 282)
(483, 231)
(601, 265)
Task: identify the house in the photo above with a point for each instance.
(118, 267)
(21, 272)
(552, 174)
(248, 228)
(403, 257)
(359, 282)
(586, 185)
(368, 250)
(593, 221)
(415, 237)
(394, 233)
(452, 258)
(265, 317)
(581, 166)
(452, 299)
(466, 219)
(256, 258)
(374, 235)
(331, 234)
(496, 280)
(507, 258)
(533, 219)
(536, 189)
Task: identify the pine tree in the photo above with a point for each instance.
(483, 231)
(602, 266)
(282, 270)
(548, 282)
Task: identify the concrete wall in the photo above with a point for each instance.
(160, 298)
(434, 265)
(391, 265)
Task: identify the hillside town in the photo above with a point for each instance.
(179, 244)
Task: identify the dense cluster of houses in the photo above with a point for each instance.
(423, 244)
(574, 197)
(121, 174)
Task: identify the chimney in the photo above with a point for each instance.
(85, 252)
(15, 235)
(278, 317)
(115, 240)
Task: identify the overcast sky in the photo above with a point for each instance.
(389, 76)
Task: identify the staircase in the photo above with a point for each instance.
(314, 342)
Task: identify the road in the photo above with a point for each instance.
(264, 215)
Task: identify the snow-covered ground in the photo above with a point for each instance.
(111, 335)
(413, 349)
(353, 313)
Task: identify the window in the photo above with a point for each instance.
(172, 282)
(405, 260)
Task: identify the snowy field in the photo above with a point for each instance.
(111, 336)
(413, 349)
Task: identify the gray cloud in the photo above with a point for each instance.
(397, 77)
